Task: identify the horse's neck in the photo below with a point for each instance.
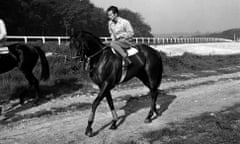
(95, 55)
(95, 49)
(102, 54)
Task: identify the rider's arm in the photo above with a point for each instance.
(3, 32)
(128, 31)
(112, 35)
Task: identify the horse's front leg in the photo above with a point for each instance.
(96, 102)
(114, 113)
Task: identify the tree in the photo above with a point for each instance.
(13, 12)
(140, 27)
(57, 17)
(82, 15)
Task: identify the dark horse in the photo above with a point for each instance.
(106, 69)
(25, 58)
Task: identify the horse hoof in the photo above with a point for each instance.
(1, 110)
(21, 102)
(89, 132)
(113, 127)
(147, 120)
(37, 101)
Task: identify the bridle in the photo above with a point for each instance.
(98, 52)
(87, 59)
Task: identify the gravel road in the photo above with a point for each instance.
(67, 118)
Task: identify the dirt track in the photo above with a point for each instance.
(180, 100)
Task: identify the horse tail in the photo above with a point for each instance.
(45, 66)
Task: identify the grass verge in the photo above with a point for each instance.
(222, 127)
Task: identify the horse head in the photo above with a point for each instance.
(77, 45)
(85, 44)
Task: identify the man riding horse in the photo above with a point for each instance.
(121, 32)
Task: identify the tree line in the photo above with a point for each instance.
(57, 17)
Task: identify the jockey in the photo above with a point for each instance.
(3, 32)
(121, 32)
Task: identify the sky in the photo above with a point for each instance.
(182, 16)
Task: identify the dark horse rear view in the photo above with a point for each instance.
(106, 71)
(25, 57)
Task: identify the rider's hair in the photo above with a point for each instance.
(114, 9)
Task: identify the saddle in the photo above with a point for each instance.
(4, 50)
(130, 51)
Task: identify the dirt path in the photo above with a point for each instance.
(180, 100)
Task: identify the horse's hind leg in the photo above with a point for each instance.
(153, 94)
(33, 84)
(152, 79)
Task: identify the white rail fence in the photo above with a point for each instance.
(147, 40)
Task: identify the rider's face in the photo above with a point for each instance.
(112, 16)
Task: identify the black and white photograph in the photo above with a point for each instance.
(119, 71)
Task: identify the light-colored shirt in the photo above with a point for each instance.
(122, 29)
(3, 32)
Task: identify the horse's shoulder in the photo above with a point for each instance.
(109, 55)
(18, 47)
(107, 51)
(138, 46)
(14, 45)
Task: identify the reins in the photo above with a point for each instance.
(98, 52)
(87, 68)
(93, 55)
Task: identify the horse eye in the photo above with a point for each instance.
(76, 44)
(78, 53)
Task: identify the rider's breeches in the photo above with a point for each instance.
(119, 46)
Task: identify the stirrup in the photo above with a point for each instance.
(127, 62)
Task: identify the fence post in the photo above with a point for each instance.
(105, 39)
(158, 40)
(43, 40)
(25, 39)
(59, 41)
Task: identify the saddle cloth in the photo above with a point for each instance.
(4, 50)
(130, 51)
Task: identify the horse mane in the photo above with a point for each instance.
(84, 34)
(106, 51)
(92, 43)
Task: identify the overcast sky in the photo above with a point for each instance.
(170, 16)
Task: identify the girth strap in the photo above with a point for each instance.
(124, 72)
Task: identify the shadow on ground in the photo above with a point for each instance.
(59, 88)
(135, 104)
